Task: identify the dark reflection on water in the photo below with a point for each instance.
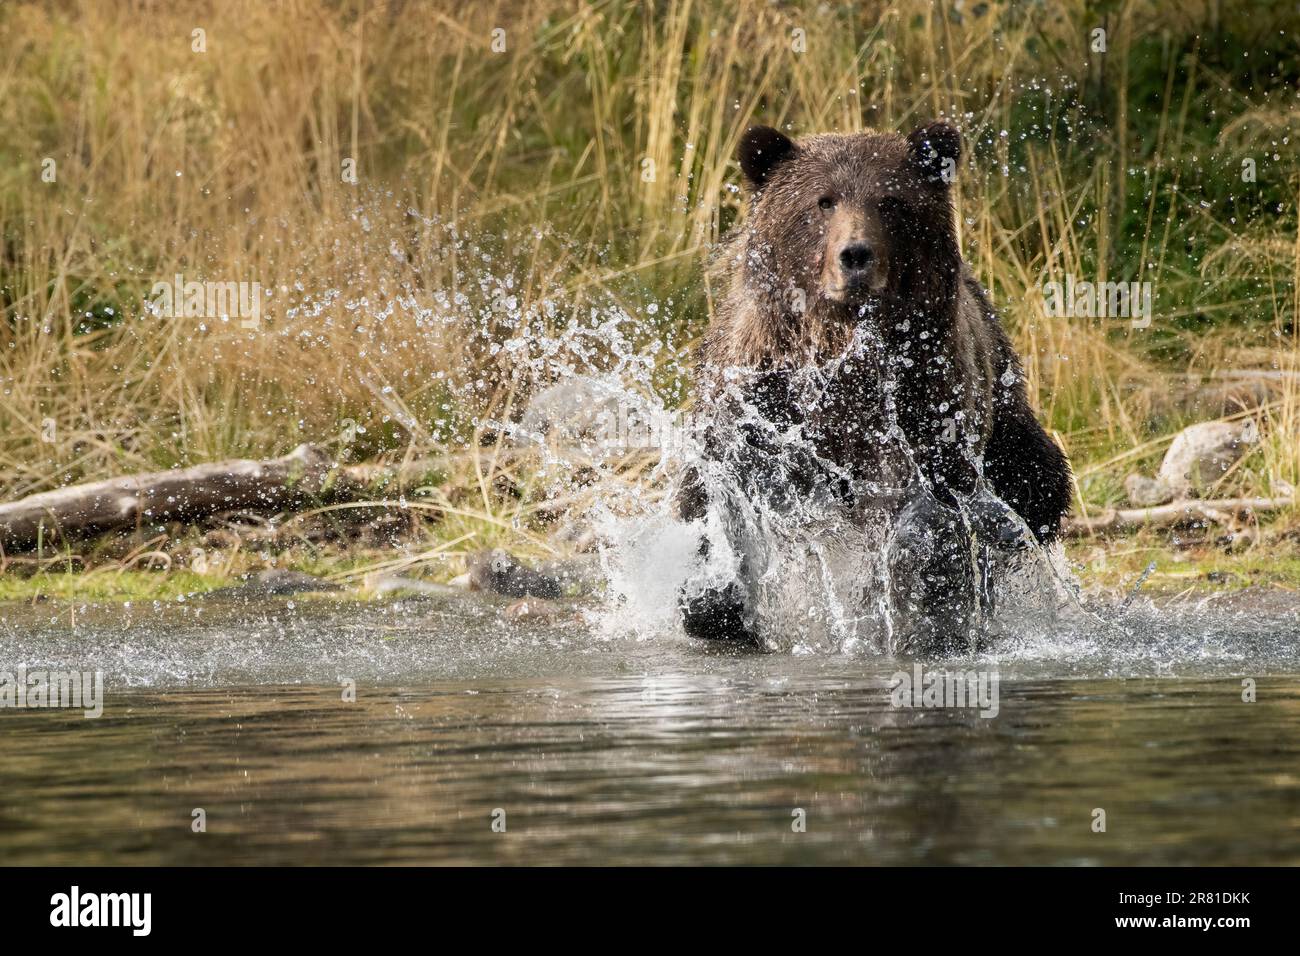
(685, 769)
(626, 751)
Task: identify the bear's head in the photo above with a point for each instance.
(839, 221)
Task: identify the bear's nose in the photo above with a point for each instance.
(856, 257)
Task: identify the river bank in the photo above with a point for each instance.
(1180, 564)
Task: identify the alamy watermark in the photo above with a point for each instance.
(133, 911)
(926, 688)
(604, 426)
(208, 300)
(1102, 300)
(36, 689)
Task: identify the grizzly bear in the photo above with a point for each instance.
(853, 358)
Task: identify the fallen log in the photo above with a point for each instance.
(304, 475)
(1176, 512)
(308, 474)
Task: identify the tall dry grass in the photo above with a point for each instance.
(526, 174)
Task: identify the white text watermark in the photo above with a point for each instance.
(38, 689)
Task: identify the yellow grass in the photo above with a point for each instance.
(590, 161)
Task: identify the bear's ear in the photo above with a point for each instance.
(761, 148)
(934, 150)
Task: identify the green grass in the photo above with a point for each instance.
(109, 585)
(1117, 564)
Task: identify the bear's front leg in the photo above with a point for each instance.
(718, 614)
(932, 580)
(995, 523)
(714, 614)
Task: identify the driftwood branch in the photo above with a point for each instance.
(1177, 512)
(187, 494)
(308, 474)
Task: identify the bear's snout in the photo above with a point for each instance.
(854, 263)
(855, 270)
(856, 257)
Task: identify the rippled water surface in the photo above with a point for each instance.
(623, 749)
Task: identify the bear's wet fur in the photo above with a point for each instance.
(851, 229)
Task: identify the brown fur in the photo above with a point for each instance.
(783, 258)
(784, 304)
(845, 230)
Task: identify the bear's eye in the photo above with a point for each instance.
(891, 204)
(826, 202)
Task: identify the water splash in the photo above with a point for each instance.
(827, 561)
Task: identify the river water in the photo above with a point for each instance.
(474, 738)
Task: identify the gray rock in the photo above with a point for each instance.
(1198, 457)
(1144, 492)
(501, 573)
(1201, 454)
